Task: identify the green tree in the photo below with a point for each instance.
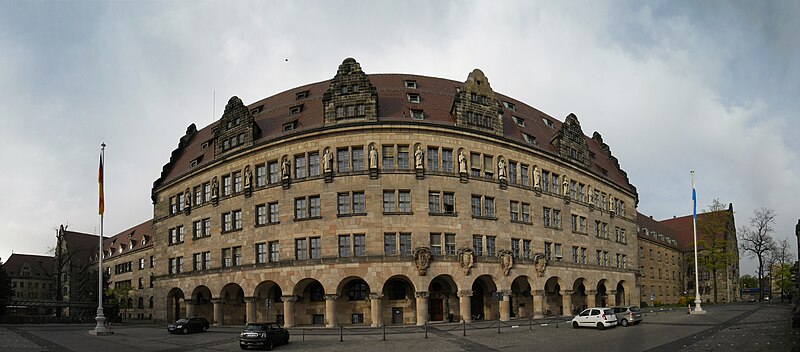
(748, 281)
(117, 296)
(713, 245)
(6, 290)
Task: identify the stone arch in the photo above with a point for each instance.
(553, 298)
(443, 304)
(483, 304)
(601, 295)
(580, 293)
(310, 306)
(621, 296)
(176, 308)
(353, 305)
(233, 308)
(399, 300)
(268, 310)
(201, 302)
(521, 297)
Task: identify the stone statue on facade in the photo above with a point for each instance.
(462, 163)
(466, 259)
(248, 177)
(611, 203)
(418, 158)
(537, 177)
(327, 160)
(565, 185)
(187, 199)
(214, 188)
(506, 261)
(422, 259)
(373, 157)
(539, 263)
(501, 169)
(286, 168)
(590, 195)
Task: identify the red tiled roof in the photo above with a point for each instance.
(121, 241)
(41, 265)
(684, 229)
(81, 246)
(436, 99)
(653, 226)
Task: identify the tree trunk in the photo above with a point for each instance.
(714, 277)
(760, 278)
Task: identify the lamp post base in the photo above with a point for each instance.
(100, 329)
(697, 309)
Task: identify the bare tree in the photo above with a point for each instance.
(757, 241)
(778, 265)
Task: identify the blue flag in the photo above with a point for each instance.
(694, 206)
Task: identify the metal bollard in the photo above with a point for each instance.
(530, 324)
(426, 330)
(341, 332)
(304, 335)
(464, 322)
(384, 333)
(498, 326)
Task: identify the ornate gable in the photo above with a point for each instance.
(569, 142)
(474, 106)
(350, 96)
(235, 130)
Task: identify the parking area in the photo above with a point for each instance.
(743, 326)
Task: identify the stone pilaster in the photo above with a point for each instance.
(465, 305)
(505, 306)
(422, 307)
(376, 309)
(566, 302)
(288, 310)
(217, 311)
(250, 309)
(330, 310)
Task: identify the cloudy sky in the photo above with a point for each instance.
(710, 86)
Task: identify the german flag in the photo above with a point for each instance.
(102, 205)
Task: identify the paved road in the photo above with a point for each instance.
(731, 327)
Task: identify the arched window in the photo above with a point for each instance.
(140, 303)
(357, 292)
(316, 292)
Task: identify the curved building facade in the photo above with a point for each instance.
(391, 199)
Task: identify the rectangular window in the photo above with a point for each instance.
(359, 245)
(273, 213)
(358, 158)
(237, 182)
(402, 157)
(475, 164)
(388, 202)
(436, 243)
(226, 185)
(198, 195)
(523, 173)
(261, 253)
(557, 218)
(227, 259)
(343, 203)
(314, 206)
(575, 251)
(476, 205)
(261, 175)
(274, 251)
(434, 202)
(526, 212)
(300, 166)
(300, 249)
(405, 243)
(512, 172)
(447, 160)
(477, 245)
(197, 229)
(583, 255)
(555, 186)
(488, 166)
(490, 246)
(389, 244)
(343, 160)
(344, 246)
(404, 201)
(237, 255)
(313, 164)
(545, 181)
(557, 250)
(206, 192)
(488, 207)
(315, 245)
(237, 219)
(433, 159)
(274, 172)
(261, 214)
(547, 248)
(546, 217)
(388, 157)
(449, 202)
(515, 247)
(450, 244)
(514, 210)
(300, 208)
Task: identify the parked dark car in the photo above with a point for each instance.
(628, 315)
(187, 325)
(263, 335)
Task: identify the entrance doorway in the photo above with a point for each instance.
(397, 315)
(437, 309)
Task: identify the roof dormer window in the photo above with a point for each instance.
(519, 121)
(413, 98)
(257, 109)
(509, 106)
(530, 139)
(289, 126)
(294, 110)
(301, 95)
(547, 122)
(411, 84)
(417, 114)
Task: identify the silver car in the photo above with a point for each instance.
(628, 315)
(595, 317)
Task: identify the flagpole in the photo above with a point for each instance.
(697, 299)
(100, 328)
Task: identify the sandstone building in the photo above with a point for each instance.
(389, 199)
(661, 263)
